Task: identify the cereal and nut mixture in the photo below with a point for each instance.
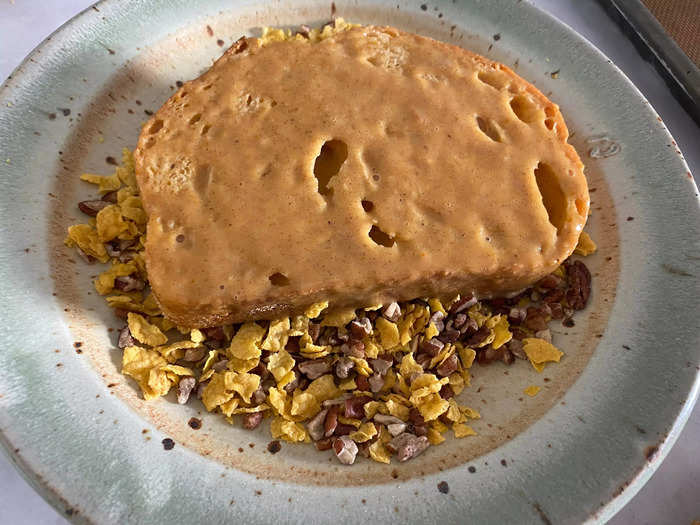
(378, 381)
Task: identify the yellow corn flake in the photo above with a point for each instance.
(304, 405)
(409, 366)
(401, 385)
(371, 349)
(434, 437)
(277, 335)
(242, 365)
(175, 351)
(349, 421)
(243, 384)
(431, 331)
(467, 356)
(348, 384)
(162, 323)
(110, 223)
(476, 314)
(279, 401)
(338, 318)
(388, 333)
(389, 380)
(469, 413)
(299, 326)
(150, 305)
(457, 383)
(436, 306)
(145, 332)
(372, 407)
(438, 426)
(585, 245)
(532, 390)
(85, 237)
(501, 332)
(362, 367)
(539, 352)
(104, 283)
(288, 430)
(280, 364)
(312, 351)
(248, 410)
(125, 172)
(366, 432)
(215, 393)
(313, 311)
(432, 406)
(323, 388)
(461, 430)
(196, 336)
(397, 409)
(105, 183)
(211, 359)
(230, 406)
(378, 452)
(246, 343)
(426, 384)
(132, 209)
(286, 379)
(137, 363)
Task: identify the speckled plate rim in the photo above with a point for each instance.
(679, 281)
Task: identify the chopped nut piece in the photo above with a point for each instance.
(376, 382)
(353, 348)
(549, 282)
(544, 334)
(343, 367)
(359, 328)
(479, 336)
(431, 346)
(324, 444)
(194, 354)
(463, 304)
(408, 446)
(380, 366)
(251, 420)
(316, 425)
(396, 428)
(345, 449)
(331, 421)
(315, 368)
(449, 335)
(220, 366)
(129, 283)
(385, 419)
(126, 339)
(392, 312)
(450, 366)
(184, 389)
(579, 285)
(354, 406)
(92, 208)
(459, 321)
(517, 315)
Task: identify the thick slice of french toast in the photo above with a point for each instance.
(361, 167)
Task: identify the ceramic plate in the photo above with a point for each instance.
(80, 432)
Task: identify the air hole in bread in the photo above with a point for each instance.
(368, 206)
(155, 127)
(549, 111)
(202, 178)
(380, 237)
(489, 128)
(581, 207)
(328, 163)
(195, 118)
(495, 79)
(524, 108)
(205, 129)
(279, 279)
(549, 123)
(552, 195)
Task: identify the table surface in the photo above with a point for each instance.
(672, 494)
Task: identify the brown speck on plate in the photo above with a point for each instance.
(168, 444)
(220, 43)
(443, 487)
(195, 423)
(273, 447)
(471, 470)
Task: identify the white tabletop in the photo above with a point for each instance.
(672, 496)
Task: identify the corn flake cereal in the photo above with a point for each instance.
(539, 352)
(280, 364)
(532, 390)
(288, 430)
(461, 430)
(277, 335)
(86, 238)
(388, 333)
(145, 332)
(366, 432)
(313, 311)
(585, 245)
(246, 343)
